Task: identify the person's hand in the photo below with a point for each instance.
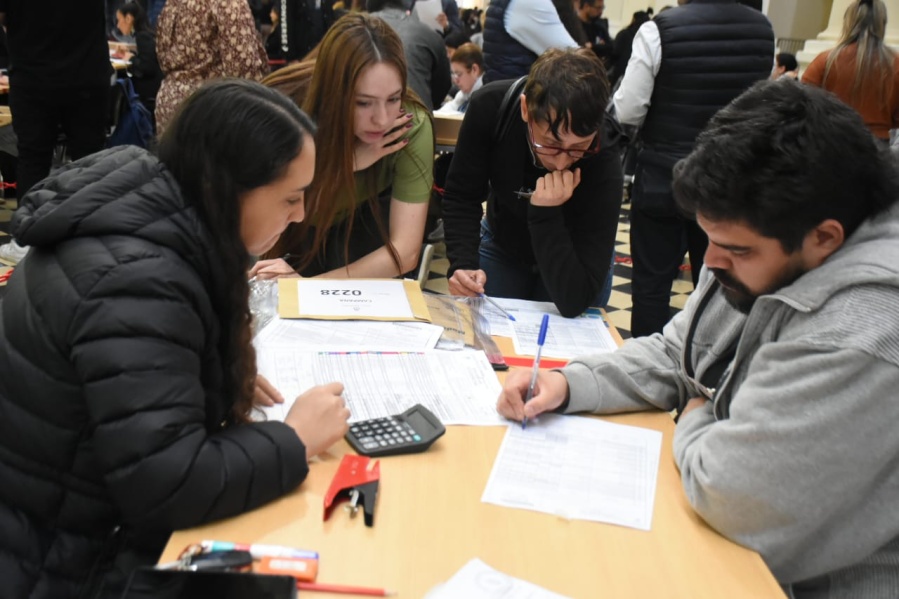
(271, 269)
(467, 282)
(265, 393)
(694, 403)
(555, 188)
(443, 21)
(319, 417)
(365, 155)
(550, 391)
(126, 55)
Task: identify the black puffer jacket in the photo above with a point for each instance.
(111, 398)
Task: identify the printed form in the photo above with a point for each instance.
(356, 335)
(565, 337)
(350, 298)
(459, 387)
(578, 468)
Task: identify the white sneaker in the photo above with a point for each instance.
(12, 253)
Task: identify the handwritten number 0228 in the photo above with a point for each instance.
(341, 292)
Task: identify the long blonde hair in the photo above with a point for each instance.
(864, 24)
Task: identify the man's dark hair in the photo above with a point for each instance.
(787, 60)
(569, 90)
(782, 158)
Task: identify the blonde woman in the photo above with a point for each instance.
(862, 71)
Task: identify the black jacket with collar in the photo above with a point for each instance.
(113, 414)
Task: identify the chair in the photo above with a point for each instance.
(424, 264)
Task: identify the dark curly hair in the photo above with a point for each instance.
(782, 158)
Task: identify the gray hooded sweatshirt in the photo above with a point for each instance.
(797, 457)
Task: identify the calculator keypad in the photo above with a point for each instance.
(384, 432)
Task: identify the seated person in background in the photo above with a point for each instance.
(145, 72)
(129, 329)
(785, 65)
(784, 364)
(548, 165)
(467, 68)
(369, 200)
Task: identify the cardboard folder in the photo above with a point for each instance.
(342, 294)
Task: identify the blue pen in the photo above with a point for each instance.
(544, 324)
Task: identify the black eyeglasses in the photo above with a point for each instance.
(575, 153)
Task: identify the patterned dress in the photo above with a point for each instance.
(200, 40)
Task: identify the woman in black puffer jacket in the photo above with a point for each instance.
(128, 374)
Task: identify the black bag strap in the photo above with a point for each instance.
(509, 109)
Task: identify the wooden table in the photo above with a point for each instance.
(446, 131)
(429, 521)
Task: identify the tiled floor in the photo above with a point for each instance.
(620, 302)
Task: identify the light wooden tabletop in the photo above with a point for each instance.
(429, 521)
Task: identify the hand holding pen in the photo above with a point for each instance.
(469, 283)
(541, 338)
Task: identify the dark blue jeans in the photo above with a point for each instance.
(507, 276)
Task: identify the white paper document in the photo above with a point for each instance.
(459, 387)
(578, 468)
(565, 337)
(351, 298)
(477, 580)
(354, 335)
(427, 11)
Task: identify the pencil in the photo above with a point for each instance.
(343, 588)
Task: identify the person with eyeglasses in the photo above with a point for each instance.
(546, 160)
(783, 365)
(467, 70)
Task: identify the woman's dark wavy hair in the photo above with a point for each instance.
(569, 90)
(229, 137)
(782, 158)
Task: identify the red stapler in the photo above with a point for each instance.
(355, 481)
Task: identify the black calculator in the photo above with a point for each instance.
(410, 432)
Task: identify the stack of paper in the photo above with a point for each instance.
(578, 468)
(459, 387)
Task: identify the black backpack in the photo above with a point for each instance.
(135, 124)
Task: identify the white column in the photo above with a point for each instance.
(892, 33)
(826, 39)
